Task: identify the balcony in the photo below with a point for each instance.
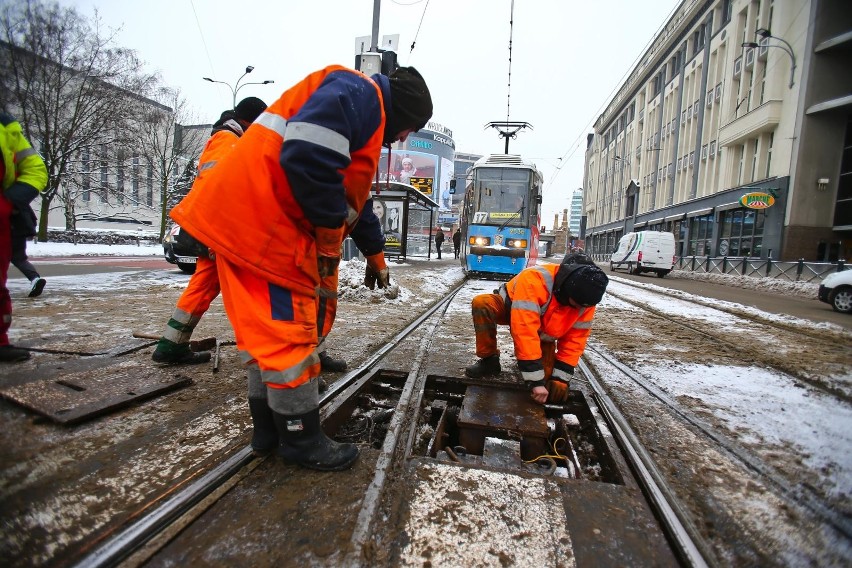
(764, 118)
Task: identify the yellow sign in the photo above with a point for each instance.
(502, 215)
(757, 200)
(423, 185)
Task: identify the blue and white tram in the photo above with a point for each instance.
(501, 216)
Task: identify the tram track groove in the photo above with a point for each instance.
(806, 497)
(749, 354)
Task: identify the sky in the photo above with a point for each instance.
(568, 58)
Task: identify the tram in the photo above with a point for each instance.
(501, 216)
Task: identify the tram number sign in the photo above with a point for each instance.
(423, 184)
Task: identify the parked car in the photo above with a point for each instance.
(645, 251)
(178, 253)
(836, 289)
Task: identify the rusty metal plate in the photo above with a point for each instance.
(504, 410)
(74, 398)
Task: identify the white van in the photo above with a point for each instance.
(645, 251)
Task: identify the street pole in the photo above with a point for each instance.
(235, 89)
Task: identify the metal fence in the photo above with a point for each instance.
(791, 271)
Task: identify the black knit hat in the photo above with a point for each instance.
(249, 109)
(411, 103)
(583, 283)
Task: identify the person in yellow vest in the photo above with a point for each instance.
(549, 310)
(24, 176)
(275, 211)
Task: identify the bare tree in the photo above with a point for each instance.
(70, 88)
(172, 149)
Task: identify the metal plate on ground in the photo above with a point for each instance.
(77, 397)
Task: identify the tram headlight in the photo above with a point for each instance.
(516, 243)
(479, 241)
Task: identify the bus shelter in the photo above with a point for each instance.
(407, 217)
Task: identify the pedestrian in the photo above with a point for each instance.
(24, 177)
(275, 211)
(23, 228)
(457, 242)
(549, 310)
(203, 287)
(439, 241)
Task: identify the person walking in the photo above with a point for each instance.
(439, 241)
(23, 228)
(549, 310)
(203, 288)
(24, 176)
(457, 242)
(274, 211)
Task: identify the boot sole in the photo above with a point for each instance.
(319, 467)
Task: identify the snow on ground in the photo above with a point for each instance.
(749, 399)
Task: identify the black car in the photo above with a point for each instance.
(178, 253)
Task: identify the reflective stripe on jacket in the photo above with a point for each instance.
(307, 163)
(536, 316)
(20, 160)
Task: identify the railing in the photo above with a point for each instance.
(790, 271)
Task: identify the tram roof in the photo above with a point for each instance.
(504, 161)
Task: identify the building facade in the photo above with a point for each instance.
(734, 132)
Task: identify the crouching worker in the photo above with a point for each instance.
(549, 310)
(274, 211)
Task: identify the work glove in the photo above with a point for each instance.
(377, 271)
(326, 265)
(328, 250)
(557, 385)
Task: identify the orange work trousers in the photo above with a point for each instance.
(488, 312)
(274, 327)
(202, 289)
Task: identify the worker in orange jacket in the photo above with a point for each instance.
(274, 211)
(549, 310)
(203, 287)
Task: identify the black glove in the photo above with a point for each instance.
(327, 265)
(372, 277)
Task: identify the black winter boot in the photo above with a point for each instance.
(487, 366)
(327, 363)
(10, 354)
(265, 436)
(303, 442)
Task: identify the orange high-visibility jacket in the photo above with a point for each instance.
(300, 172)
(536, 316)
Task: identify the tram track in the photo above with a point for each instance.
(149, 534)
(750, 351)
(802, 495)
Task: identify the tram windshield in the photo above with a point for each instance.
(501, 196)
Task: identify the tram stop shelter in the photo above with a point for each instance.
(408, 218)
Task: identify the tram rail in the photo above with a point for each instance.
(150, 532)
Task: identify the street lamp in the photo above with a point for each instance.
(766, 34)
(235, 89)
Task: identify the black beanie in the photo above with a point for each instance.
(249, 109)
(411, 103)
(583, 283)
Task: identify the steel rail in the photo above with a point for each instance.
(837, 393)
(687, 542)
(143, 530)
(805, 497)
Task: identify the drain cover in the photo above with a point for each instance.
(75, 398)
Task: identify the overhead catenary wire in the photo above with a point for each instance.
(509, 86)
(203, 41)
(423, 15)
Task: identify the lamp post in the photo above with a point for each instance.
(236, 88)
(766, 34)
